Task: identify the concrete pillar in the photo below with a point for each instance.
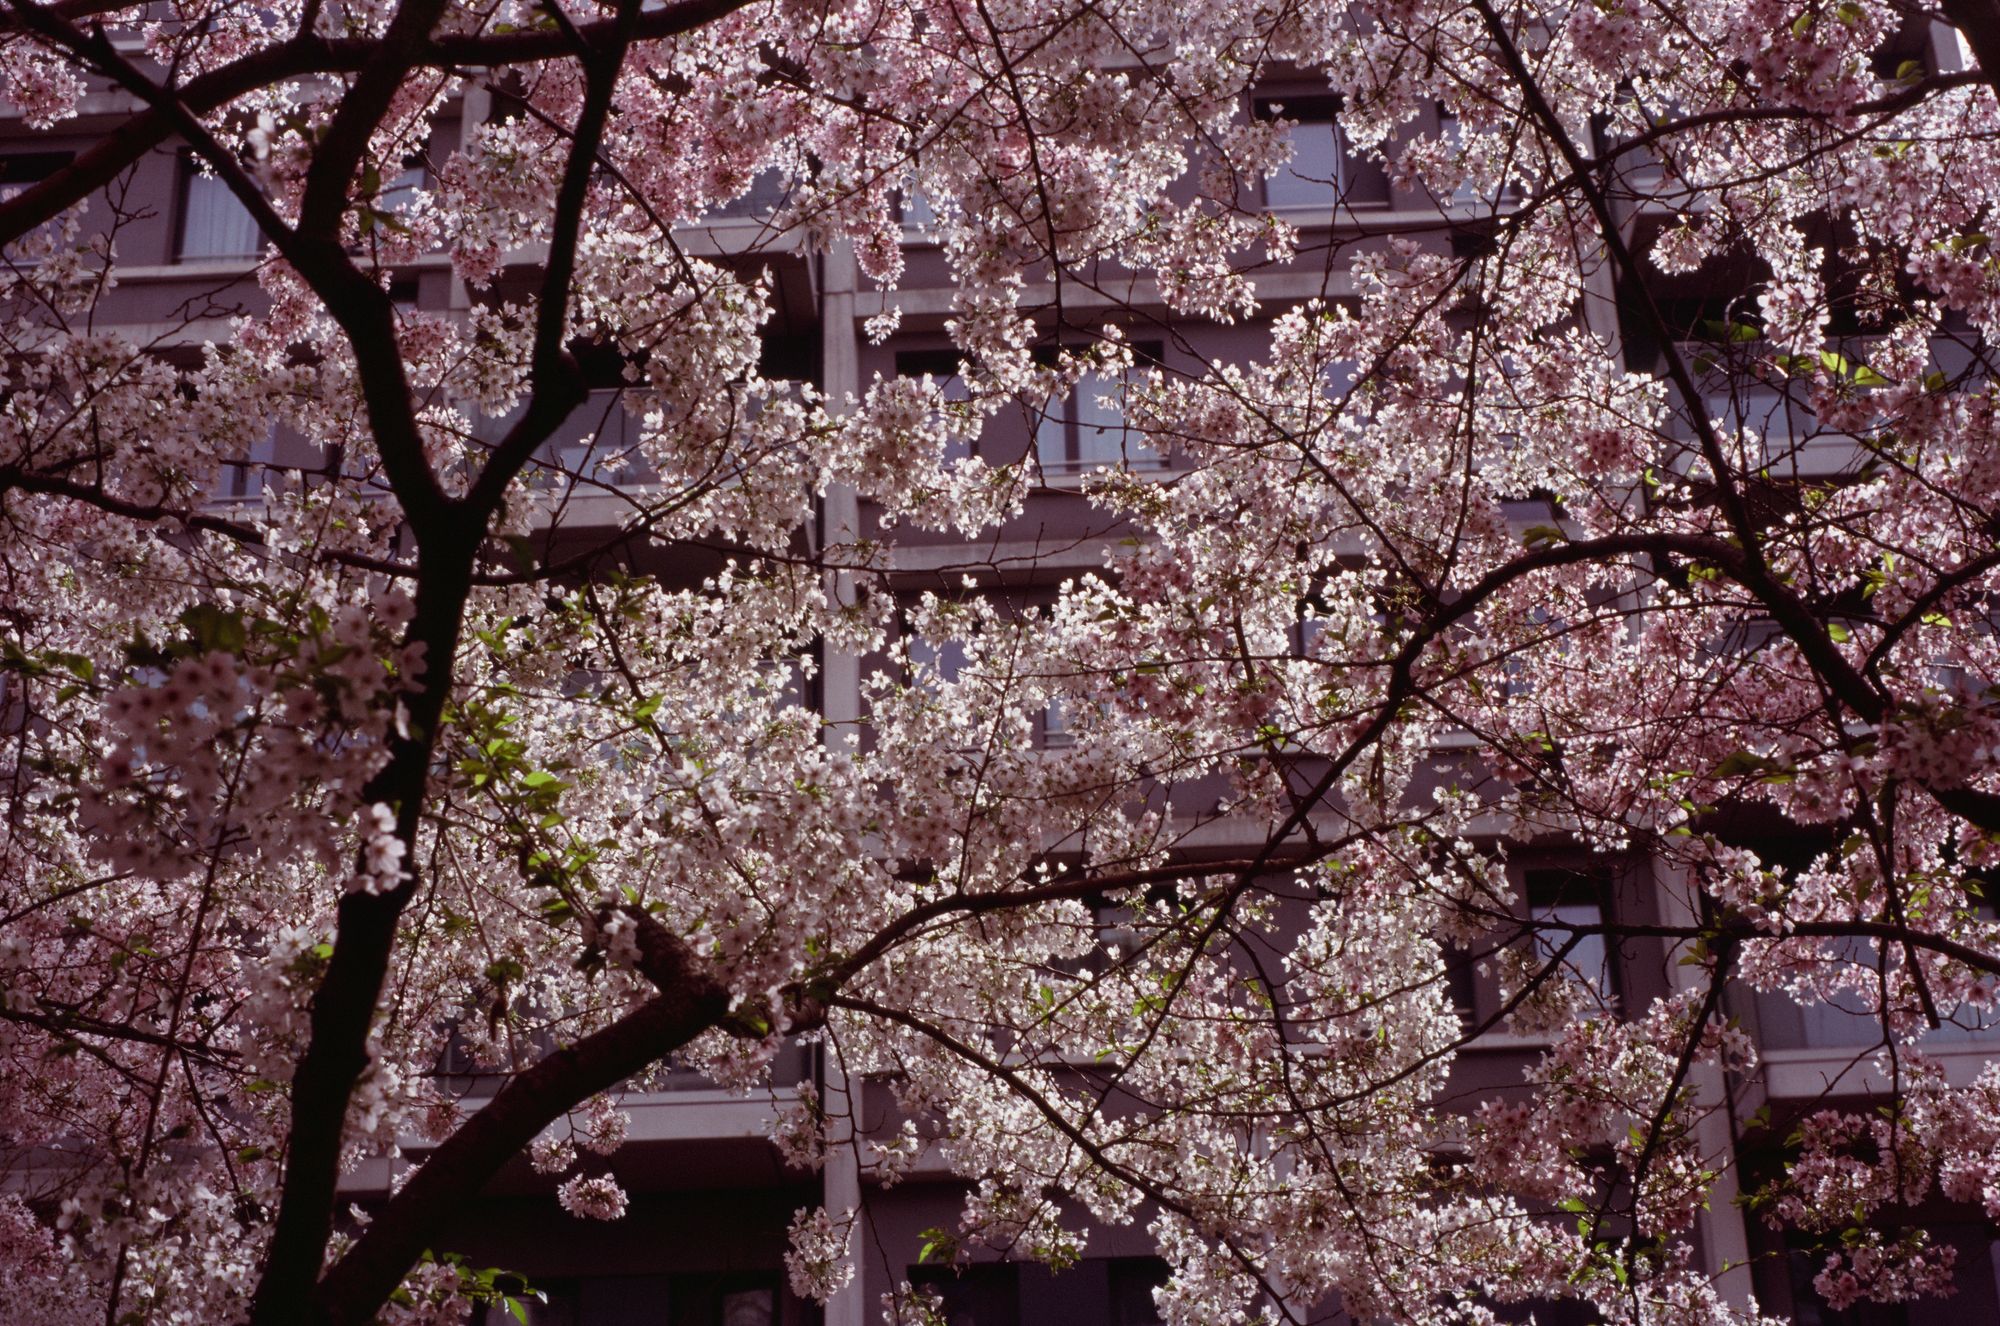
(840, 520)
(1723, 1235)
(475, 104)
(840, 703)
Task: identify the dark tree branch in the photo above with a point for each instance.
(558, 385)
(357, 115)
(356, 1286)
(1744, 561)
(1979, 21)
(298, 57)
(354, 298)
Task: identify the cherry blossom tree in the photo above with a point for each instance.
(1501, 545)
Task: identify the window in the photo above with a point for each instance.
(1544, 1312)
(608, 433)
(1133, 1280)
(1908, 54)
(984, 1295)
(724, 1300)
(1468, 193)
(943, 367)
(244, 479)
(748, 1299)
(929, 662)
(1086, 429)
(400, 191)
(1573, 898)
(1056, 730)
(1974, 1295)
(214, 225)
(1849, 1020)
(22, 169)
(1315, 176)
(1555, 898)
(1461, 983)
(768, 189)
(604, 446)
(916, 210)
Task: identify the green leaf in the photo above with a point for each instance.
(1730, 332)
(213, 628)
(1837, 633)
(937, 1243)
(1744, 762)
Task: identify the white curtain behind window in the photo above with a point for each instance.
(215, 224)
(1312, 178)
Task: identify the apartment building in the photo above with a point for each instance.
(702, 1243)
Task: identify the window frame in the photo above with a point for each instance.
(944, 366)
(1066, 413)
(1303, 109)
(20, 171)
(188, 175)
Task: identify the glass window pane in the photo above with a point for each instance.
(1052, 438)
(214, 224)
(1102, 437)
(1573, 898)
(984, 1295)
(20, 171)
(245, 478)
(399, 192)
(1312, 177)
(943, 367)
(1133, 1280)
(621, 1300)
(723, 1300)
(603, 446)
(768, 188)
(748, 1307)
(1100, 421)
(1086, 429)
(1467, 194)
(929, 662)
(1055, 724)
(1589, 960)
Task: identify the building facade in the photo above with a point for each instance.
(712, 1197)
